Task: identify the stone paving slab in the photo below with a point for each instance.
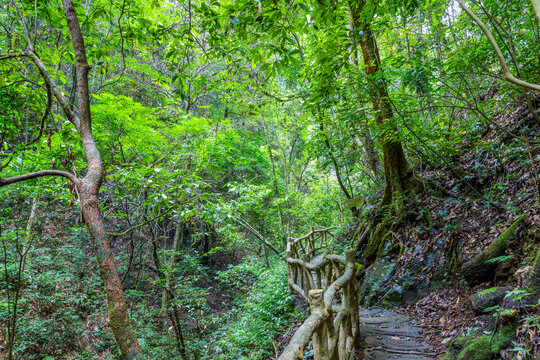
(387, 335)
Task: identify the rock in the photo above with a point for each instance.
(374, 283)
(394, 296)
(487, 298)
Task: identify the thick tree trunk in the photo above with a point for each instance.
(364, 140)
(399, 176)
(536, 6)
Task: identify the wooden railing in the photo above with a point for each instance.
(328, 284)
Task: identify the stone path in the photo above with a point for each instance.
(387, 335)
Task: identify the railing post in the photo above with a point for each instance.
(308, 283)
(290, 271)
(352, 302)
(320, 337)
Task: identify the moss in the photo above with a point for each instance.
(429, 218)
(379, 236)
(455, 347)
(486, 347)
(503, 337)
(488, 291)
(533, 282)
(477, 349)
(502, 240)
(359, 269)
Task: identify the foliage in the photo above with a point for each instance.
(242, 121)
(262, 315)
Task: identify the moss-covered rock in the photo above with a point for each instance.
(479, 269)
(456, 346)
(485, 347)
(488, 298)
(372, 286)
(477, 349)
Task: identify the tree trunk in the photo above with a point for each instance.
(88, 187)
(165, 298)
(533, 282)
(89, 193)
(370, 157)
(479, 269)
(28, 237)
(342, 186)
(399, 176)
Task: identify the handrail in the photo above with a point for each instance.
(329, 286)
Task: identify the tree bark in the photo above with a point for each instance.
(536, 6)
(398, 174)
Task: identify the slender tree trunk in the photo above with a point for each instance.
(274, 180)
(89, 195)
(165, 298)
(28, 237)
(342, 186)
(399, 176)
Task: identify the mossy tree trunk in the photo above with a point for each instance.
(479, 269)
(89, 196)
(398, 174)
(533, 282)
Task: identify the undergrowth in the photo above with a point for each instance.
(260, 316)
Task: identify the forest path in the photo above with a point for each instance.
(388, 335)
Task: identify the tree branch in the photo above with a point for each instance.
(111, 234)
(38, 174)
(257, 235)
(506, 73)
(12, 56)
